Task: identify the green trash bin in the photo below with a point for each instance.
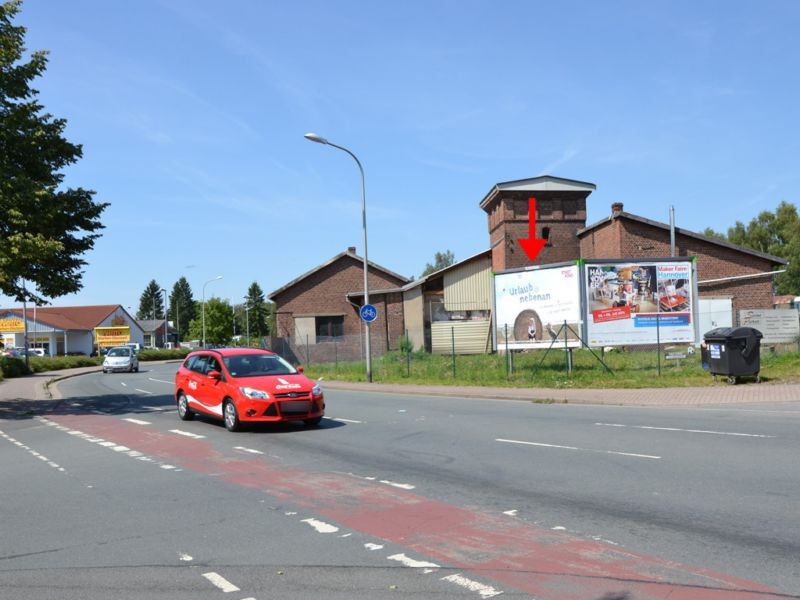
(734, 352)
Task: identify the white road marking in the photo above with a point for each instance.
(756, 435)
(222, 583)
(250, 450)
(485, 591)
(371, 546)
(187, 434)
(575, 448)
(33, 452)
(410, 562)
(402, 486)
(154, 408)
(184, 557)
(558, 528)
(341, 420)
(143, 391)
(123, 384)
(321, 526)
(510, 513)
(137, 421)
(160, 380)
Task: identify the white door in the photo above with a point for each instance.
(714, 312)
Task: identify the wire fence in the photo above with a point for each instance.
(308, 350)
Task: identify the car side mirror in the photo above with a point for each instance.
(214, 375)
(300, 369)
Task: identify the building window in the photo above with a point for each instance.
(329, 327)
(546, 236)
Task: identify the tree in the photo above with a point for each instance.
(259, 311)
(44, 230)
(775, 233)
(440, 261)
(219, 322)
(182, 307)
(151, 302)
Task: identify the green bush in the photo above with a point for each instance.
(40, 364)
(13, 367)
(176, 354)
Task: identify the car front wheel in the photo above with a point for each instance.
(184, 412)
(312, 422)
(231, 416)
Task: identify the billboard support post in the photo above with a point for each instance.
(567, 355)
(658, 341)
(508, 356)
(453, 342)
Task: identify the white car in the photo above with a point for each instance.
(121, 358)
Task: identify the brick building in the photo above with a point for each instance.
(318, 313)
(560, 214)
(741, 276)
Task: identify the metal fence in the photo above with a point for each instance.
(308, 350)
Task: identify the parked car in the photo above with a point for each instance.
(35, 351)
(246, 385)
(121, 358)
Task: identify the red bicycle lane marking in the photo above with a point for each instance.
(547, 564)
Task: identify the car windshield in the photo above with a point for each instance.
(257, 365)
(119, 352)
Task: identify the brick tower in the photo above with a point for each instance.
(560, 214)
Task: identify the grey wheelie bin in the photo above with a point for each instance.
(734, 352)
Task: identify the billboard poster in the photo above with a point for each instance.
(630, 303)
(532, 306)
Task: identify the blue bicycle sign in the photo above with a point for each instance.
(368, 313)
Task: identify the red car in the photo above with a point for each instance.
(245, 385)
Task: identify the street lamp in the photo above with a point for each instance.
(166, 322)
(247, 318)
(321, 140)
(204, 306)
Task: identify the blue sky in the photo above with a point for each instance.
(192, 113)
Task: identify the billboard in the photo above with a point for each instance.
(640, 302)
(532, 305)
(777, 326)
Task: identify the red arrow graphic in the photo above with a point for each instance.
(532, 245)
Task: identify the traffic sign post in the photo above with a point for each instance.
(368, 313)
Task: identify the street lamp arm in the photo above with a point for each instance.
(321, 140)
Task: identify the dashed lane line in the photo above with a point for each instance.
(250, 450)
(539, 444)
(138, 421)
(195, 436)
(32, 452)
(222, 583)
(135, 454)
(677, 429)
(143, 391)
(485, 591)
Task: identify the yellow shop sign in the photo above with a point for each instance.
(112, 336)
(12, 325)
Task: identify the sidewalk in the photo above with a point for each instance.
(32, 392)
(722, 393)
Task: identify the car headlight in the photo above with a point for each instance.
(316, 390)
(253, 393)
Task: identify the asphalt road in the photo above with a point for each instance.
(111, 496)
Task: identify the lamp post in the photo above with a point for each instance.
(166, 322)
(247, 319)
(218, 277)
(321, 140)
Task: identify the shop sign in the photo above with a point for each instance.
(112, 336)
(12, 325)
